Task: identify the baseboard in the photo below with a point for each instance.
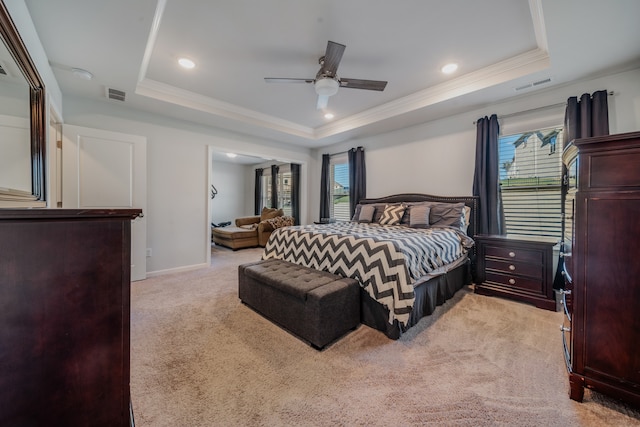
(176, 270)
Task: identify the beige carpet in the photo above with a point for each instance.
(201, 358)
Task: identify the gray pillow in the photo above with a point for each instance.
(366, 213)
(419, 216)
(447, 215)
(356, 213)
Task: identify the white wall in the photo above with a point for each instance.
(438, 157)
(435, 157)
(229, 204)
(177, 170)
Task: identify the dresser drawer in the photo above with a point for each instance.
(516, 282)
(516, 254)
(515, 268)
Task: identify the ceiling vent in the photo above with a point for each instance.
(116, 94)
(542, 82)
(533, 84)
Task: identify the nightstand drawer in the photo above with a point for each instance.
(516, 254)
(523, 283)
(515, 268)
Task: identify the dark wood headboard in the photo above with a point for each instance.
(471, 201)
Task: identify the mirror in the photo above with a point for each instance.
(22, 121)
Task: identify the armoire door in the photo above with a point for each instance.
(103, 169)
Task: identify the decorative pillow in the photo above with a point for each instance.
(268, 213)
(419, 216)
(366, 213)
(447, 215)
(279, 221)
(466, 218)
(379, 208)
(356, 213)
(392, 214)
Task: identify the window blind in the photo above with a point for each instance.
(530, 181)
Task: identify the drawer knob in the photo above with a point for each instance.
(512, 254)
(512, 267)
(512, 281)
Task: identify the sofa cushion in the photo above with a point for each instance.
(235, 232)
(268, 213)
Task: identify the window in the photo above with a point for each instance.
(339, 188)
(530, 180)
(283, 187)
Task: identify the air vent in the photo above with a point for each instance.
(523, 87)
(116, 94)
(541, 82)
(533, 84)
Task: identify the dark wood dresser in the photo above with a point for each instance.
(602, 329)
(64, 311)
(520, 268)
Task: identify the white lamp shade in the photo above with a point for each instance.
(326, 86)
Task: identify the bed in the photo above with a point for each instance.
(406, 267)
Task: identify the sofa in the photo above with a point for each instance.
(250, 231)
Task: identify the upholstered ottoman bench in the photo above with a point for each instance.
(317, 306)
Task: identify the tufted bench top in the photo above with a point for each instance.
(293, 279)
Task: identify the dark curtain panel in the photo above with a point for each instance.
(583, 118)
(325, 210)
(587, 117)
(258, 192)
(295, 193)
(357, 178)
(486, 182)
(274, 185)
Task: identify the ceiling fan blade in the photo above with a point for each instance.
(323, 100)
(286, 80)
(332, 58)
(363, 84)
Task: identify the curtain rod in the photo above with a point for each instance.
(343, 152)
(532, 110)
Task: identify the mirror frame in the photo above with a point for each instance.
(18, 50)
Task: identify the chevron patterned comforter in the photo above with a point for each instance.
(386, 260)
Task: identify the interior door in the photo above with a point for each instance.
(103, 169)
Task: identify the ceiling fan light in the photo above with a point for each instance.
(326, 86)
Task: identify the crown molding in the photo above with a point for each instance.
(501, 72)
(196, 101)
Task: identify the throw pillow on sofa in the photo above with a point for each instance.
(268, 213)
(277, 222)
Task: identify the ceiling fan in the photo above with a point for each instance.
(327, 81)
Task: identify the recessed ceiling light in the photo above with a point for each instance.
(186, 63)
(232, 155)
(449, 68)
(328, 116)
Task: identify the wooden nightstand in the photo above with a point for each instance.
(519, 268)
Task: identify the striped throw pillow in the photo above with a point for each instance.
(392, 214)
(419, 216)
